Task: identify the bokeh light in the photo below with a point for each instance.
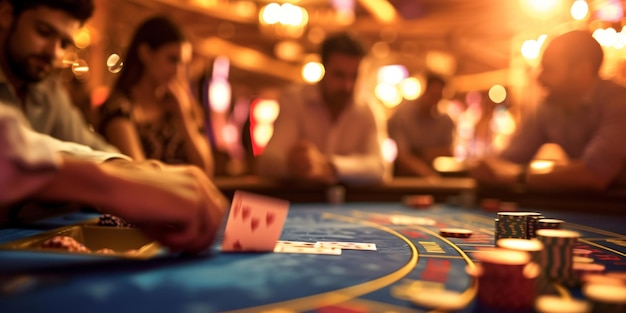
(265, 111)
(579, 10)
(392, 74)
(531, 48)
(82, 38)
(313, 72)
(219, 95)
(610, 10)
(388, 94)
(262, 133)
(80, 68)
(497, 93)
(114, 63)
(288, 50)
(390, 150)
(411, 88)
(539, 8)
(69, 59)
(541, 166)
(270, 14)
(230, 134)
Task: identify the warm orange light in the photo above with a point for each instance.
(313, 72)
(497, 93)
(579, 10)
(114, 63)
(265, 111)
(411, 88)
(390, 150)
(82, 39)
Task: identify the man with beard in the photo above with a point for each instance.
(35, 34)
(582, 113)
(177, 205)
(321, 135)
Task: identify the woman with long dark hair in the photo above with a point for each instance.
(151, 113)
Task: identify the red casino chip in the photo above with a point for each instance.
(456, 232)
(105, 251)
(419, 201)
(548, 303)
(66, 243)
(508, 206)
(588, 268)
(490, 205)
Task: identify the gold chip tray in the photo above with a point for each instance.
(120, 240)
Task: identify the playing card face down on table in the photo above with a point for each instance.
(254, 223)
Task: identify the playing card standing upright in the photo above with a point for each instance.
(254, 223)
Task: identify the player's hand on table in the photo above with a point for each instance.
(176, 205)
(494, 171)
(305, 161)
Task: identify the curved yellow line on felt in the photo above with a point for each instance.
(469, 293)
(603, 247)
(594, 230)
(345, 294)
(562, 291)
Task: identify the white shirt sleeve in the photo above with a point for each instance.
(28, 160)
(366, 166)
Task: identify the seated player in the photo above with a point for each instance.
(151, 112)
(421, 132)
(321, 135)
(582, 113)
(176, 205)
(35, 34)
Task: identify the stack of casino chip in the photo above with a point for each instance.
(549, 223)
(558, 254)
(520, 225)
(114, 221)
(534, 248)
(532, 225)
(511, 225)
(506, 279)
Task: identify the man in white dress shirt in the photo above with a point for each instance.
(321, 135)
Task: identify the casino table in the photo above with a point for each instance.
(409, 253)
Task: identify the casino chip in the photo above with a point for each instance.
(440, 299)
(606, 298)
(582, 252)
(114, 221)
(65, 243)
(603, 279)
(456, 232)
(490, 205)
(105, 251)
(554, 304)
(419, 201)
(581, 259)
